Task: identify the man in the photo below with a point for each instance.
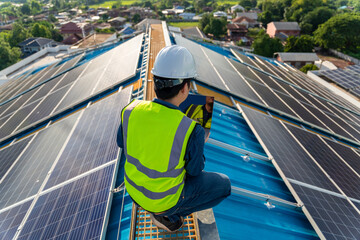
(202, 114)
(164, 148)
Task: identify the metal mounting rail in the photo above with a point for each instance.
(269, 200)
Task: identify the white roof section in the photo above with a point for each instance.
(298, 57)
(250, 15)
(235, 7)
(286, 25)
(220, 14)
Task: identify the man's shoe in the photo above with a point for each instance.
(164, 223)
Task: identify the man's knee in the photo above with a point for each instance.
(223, 182)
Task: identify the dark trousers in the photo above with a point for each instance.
(201, 192)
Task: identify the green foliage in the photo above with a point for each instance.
(299, 8)
(247, 4)
(52, 18)
(136, 18)
(8, 55)
(18, 34)
(309, 67)
(275, 7)
(266, 46)
(313, 19)
(35, 7)
(108, 30)
(253, 32)
(265, 18)
(39, 30)
(303, 43)
(339, 32)
(25, 9)
(211, 25)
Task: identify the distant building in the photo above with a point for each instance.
(250, 15)
(117, 22)
(283, 29)
(32, 45)
(7, 27)
(81, 29)
(72, 39)
(237, 7)
(235, 31)
(248, 22)
(187, 16)
(141, 26)
(297, 59)
(220, 14)
(127, 31)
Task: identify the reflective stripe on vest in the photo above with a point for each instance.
(171, 180)
(196, 113)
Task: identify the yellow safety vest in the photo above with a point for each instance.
(196, 113)
(155, 140)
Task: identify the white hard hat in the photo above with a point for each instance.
(174, 62)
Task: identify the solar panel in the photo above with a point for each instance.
(243, 58)
(71, 76)
(11, 219)
(343, 176)
(73, 211)
(16, 104)
(25, 178)
(44, 108)
(347, 154)
(290, 157)
(9, 154)
(93, 142)
(335, 216)
(8, 127)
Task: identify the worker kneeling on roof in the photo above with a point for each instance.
(164, 148)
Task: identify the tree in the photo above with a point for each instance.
(8, 55)
(204, 21)
(25, 9)
(266, 46)
(308, 67)
(339, 32)
(303, 43)
(211, 25)
(315, 18)
(18, 34)
(299, 8)
(39, 30)
(265, 18)
(247, 4)
(136, 18)
(35, 7)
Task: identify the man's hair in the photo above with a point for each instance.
(170, 92)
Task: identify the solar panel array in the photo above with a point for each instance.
(268, 86)
(348, 78)
(324, 174)
(56, 183)
(68, 89)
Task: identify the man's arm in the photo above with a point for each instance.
(119, 138)
(194, 156)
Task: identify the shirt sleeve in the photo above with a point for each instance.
(194, 155)
(119, 138)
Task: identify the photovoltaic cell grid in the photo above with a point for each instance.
(346, 79)
(248, 82)
(27, 175)
(290, 157)
(9, 155)
(335, 216)
(332, 214)
(93, 142)
(11, 219)
(73, 211)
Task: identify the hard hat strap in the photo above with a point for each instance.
(167, 82)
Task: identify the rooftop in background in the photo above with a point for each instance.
(286, 25)
(95, 39)
(297, 57)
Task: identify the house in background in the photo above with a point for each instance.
(283, 29)
(296, 59)
(81, 29)
(187, 16)
(236, 32)
(248, 22)
(250, 15)
(72, 39)
(117, 22)
(237, 8)
(32, 45)
(220, 14)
